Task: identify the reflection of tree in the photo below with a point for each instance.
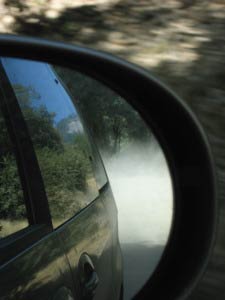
(25, 95)
(111, 120)
(40, 121)
(64, 167)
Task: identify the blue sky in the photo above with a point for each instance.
(41, 78)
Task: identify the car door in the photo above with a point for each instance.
(33, 264)
(82, 209)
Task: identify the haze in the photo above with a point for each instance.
(142, 188)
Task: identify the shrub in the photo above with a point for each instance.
(64, 175)
(11, 194)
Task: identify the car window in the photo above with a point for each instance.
(12, 204)
(87, 93)
(61, 144)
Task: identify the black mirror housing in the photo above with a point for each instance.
(184, 143)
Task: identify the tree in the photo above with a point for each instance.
(39, 120)
(11, 194)
(111, 121)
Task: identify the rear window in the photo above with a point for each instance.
(61, 144)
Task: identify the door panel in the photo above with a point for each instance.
(40, 272)
(90, 232)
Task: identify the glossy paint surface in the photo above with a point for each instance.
(94, 233)
(40, 272)
(49, 268)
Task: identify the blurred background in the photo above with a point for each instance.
(180, 42)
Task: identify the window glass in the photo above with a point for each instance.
(89, 95)
(12, 205)
(61, 145)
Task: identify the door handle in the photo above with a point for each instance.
(63, 294)
(88, 277)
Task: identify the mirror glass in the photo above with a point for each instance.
(69, 115)
(137, 171)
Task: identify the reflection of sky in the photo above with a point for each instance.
(42, 79)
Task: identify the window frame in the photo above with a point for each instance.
(17, 129)
(35, 199)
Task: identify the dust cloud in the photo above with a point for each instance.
(142, 188)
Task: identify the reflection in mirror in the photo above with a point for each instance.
(64, 111)
(138, 174)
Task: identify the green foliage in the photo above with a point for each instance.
(25, 94)
(11, 195)
(80, 142)
(39, 120)
(64, 176)
(5, 143)
(66, 169)
(41, 128)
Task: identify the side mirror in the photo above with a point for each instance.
(184, 144)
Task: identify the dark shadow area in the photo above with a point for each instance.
(139, 260)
